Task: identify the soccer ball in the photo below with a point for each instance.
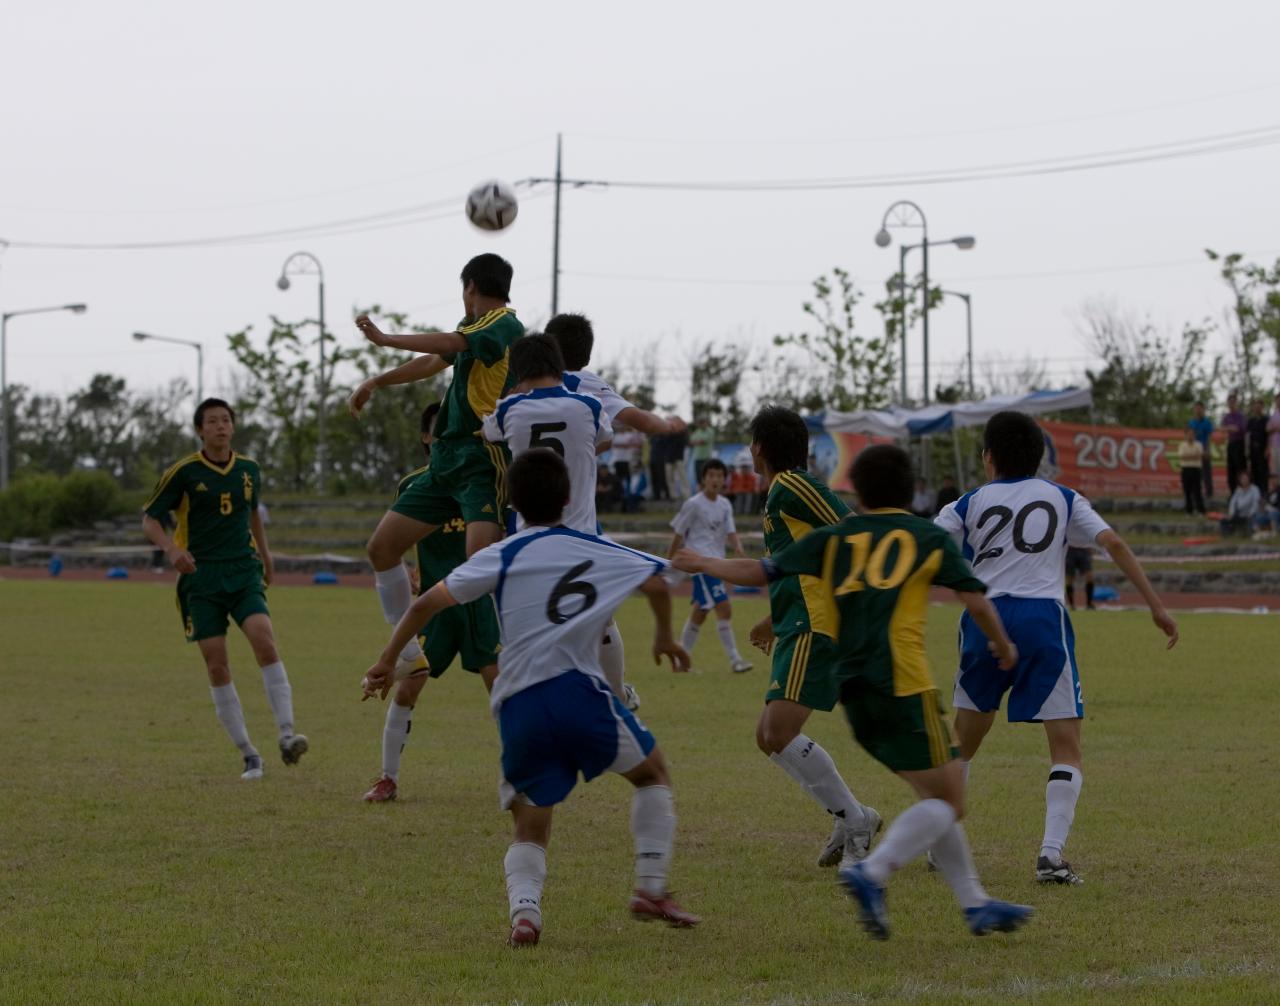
(492, 205)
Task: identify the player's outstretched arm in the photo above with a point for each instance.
(664, 642)
(379, 678)
(744, 572)
(259, 532)
(418, 369)
(984, 613)
(649, 422)
(182, 560)
(1122, 555)
(414, 342)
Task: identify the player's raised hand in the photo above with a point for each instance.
(370, 331)
(1006, 654)
(665, 646)
(377, 680)
(359, 398)
(183, 561)
(762, 635)
(1166, 625)
(687, 560)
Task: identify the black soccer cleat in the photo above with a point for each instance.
(292, 748)
(1060, 872)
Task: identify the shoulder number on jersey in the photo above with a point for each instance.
(1003, 516)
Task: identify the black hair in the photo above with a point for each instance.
(709, 464)
(782, 437)
(533, 356)
(212, 403)
(539, 484)
(491, 274)
(575, 337)
(882, 477)
(428, 417)
(1016, 444)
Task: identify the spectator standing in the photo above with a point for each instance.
(742, 489)
(658, 450)
(703, 442)
(923, 501)
(1203, 427)
(947, 493)
(627, 446)
(608, 492)
(1190, 459)
(677, 474)
(1233, 422)
(1255, 435)
(1245, 504)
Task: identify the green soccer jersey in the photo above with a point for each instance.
(876, 569)
(479, 377)
(443, 550)
(213, 504)
(797, 503)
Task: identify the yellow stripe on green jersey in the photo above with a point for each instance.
(480, 378)
(797, 503)
(214, 505)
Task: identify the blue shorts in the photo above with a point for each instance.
(708, 591)
(558, 728)
(1046, 683)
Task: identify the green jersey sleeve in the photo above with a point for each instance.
(488, 342)
(807, 556)
(168, 493)
(955, 571)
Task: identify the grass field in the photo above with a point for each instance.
(137, 867)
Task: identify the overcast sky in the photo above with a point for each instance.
(140, 122)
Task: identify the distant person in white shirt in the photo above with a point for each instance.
(1015, 531)
(1245, 505)
(555, 589)
(704, 524)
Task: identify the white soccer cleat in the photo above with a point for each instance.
(741, 666)
(857, 845)
(834, 849)
(630, 697)
(252, 767)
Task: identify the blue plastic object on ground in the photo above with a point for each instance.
(1104, 593)
(55, 565)
(117, 573)
(325, 577)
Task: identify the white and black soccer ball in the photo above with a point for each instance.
(492, 205)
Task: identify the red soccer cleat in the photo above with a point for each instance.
(644, 907)
(523, 934)
(382, 791)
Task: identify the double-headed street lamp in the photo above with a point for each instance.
(4, 385)
(306, 264)
(197, 346)
(905, 213)
(968, 330)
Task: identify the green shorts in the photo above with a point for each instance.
(907, 733)
(467, 631)
(217, 591)
(463, 481)
(805, 671)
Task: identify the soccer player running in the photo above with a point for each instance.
(556, 589)
(467, 477)
(219, 549)
(800, 632)
(468, 632)
(704, 523)
(1016, 530)
(875, 569)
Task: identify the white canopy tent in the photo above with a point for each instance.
(901, 423)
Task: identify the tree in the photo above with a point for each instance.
(716, 374)
(902, 304)
(1147, 379)
(1255, 292)
(850, 371)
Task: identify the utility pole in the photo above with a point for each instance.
(555, 239)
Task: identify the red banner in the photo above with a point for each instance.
(845, 447)
(1118, 460)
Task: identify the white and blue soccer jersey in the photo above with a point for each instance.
(587, 383)
(573, 425)
(555, 591)
(705, 524)
(1015, 534)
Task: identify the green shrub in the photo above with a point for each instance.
(37, 505)
(85, 497)
(27, 507)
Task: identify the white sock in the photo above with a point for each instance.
(395, 731)
(395, 593)
(613, 658)
(724, 626)
(1060, 797)
(964, 771)
(807, 763)
(526, 868)
(653, 825)
(226, 704)
(952, 857)
(689, 635)
(914, 830)
(279, 696)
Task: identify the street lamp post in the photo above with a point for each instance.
(4, 378)
(305, 264)
(968, 330)
(905, 213)
(197, 346)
